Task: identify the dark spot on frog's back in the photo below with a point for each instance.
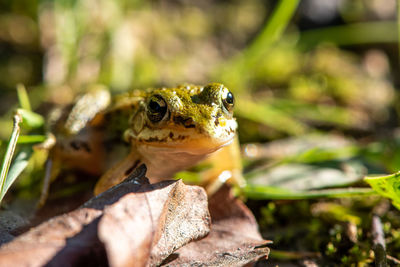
(78, 145)
(196, 99)
(186, 122)
(74, 145)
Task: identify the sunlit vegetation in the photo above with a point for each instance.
(316, 84)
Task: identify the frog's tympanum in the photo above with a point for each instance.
(168, 129)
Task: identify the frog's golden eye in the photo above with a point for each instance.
(229, 102)
(156, 108)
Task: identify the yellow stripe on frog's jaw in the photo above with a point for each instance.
(180, 139)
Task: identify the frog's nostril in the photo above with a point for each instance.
(186, 122)
(189, 121)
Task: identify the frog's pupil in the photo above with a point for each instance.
(229, 98)
(154, 106)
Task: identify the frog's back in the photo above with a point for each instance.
(89, 131)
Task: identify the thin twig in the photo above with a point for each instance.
(379, 246)
(46, 183)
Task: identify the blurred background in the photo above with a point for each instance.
(330, 64)
(315, 83)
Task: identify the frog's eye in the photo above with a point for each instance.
(156, 108)
(229, 101)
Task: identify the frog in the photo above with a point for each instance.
(167, 129)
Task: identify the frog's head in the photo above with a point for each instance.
(192, 119)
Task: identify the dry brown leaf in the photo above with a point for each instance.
(131, 219)
(185, 221)
(234, 239)
(132, 235)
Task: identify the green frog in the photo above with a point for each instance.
(167, 129)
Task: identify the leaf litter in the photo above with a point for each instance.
(140, 224)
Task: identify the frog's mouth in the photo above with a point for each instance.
(189, 148)
(190, 142)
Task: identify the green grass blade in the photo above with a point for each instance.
(270, 192)
(233, 72)
(23, 97)
(351, 34)
(31, 139)
(274, 28)
(9, 152)
(19, 164)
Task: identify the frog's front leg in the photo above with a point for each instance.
(75, 138)
(83, 151)
(118, 172)
(226, 167)
(80, 134)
